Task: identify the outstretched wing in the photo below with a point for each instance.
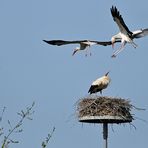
(120, 22)
(63, 42)
(140, 33)
(81, 42)
(106, 43)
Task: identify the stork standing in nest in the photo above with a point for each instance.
(99, 84)
(125, 35)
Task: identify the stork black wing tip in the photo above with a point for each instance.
(49, 42)
(92, 89)
(114, 7)
(114, 11)
(89, 91)
(45, 41)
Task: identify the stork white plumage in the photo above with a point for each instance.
(99, 84)
(125, 35)
(83, 46)
(83, 43)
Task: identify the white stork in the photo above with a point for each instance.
(125, 35)
(99, 84)
(83, 43)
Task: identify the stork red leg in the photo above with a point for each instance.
(118, 50)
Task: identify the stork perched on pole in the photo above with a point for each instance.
(99, 84)
(125, 35)
(83, 43)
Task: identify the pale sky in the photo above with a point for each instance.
(31, 70)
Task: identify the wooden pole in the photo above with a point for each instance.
(105, 134)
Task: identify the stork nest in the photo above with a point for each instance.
(104, 106)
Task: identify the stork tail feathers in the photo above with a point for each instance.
(93, 89)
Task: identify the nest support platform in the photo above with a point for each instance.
(104, 119)
(105, 110)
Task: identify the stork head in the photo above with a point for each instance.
(75, 50)
(113, 41)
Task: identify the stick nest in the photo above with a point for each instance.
(104, 106)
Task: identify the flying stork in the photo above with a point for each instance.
(99, 84)
(125, 35)
(84, 44)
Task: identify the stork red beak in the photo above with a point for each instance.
(107, 73)
(74, 52)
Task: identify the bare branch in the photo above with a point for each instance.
(15, 129)
(44, 143)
